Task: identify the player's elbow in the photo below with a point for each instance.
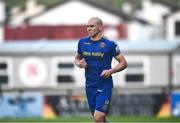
(125, 65)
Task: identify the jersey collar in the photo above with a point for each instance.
(100, 37)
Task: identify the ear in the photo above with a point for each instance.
(100, 28)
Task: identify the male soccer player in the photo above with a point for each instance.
(95, 54)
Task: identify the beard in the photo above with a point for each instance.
(93, 34)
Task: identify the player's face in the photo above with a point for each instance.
(93, 28)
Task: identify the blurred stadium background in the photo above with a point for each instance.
(38, 41)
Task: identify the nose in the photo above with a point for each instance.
(88, 28)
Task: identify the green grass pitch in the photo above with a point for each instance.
(89, 119)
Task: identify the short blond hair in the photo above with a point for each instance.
(98, 20)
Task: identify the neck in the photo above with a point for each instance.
(97, 37)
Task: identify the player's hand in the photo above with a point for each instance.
(82, 63)
(106, 73)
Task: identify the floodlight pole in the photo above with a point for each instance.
(1, 94)
(170, 88)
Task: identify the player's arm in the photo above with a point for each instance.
(80, 62)
(119, 67)
(122, 64)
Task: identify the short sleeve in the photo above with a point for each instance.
(79, 47)
(115, 49)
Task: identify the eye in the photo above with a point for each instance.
(90, 26)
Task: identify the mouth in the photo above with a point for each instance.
(89, 32)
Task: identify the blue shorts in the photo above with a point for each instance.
(99, 99)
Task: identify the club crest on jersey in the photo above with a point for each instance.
(102, 44)
(106, 105)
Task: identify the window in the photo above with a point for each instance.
(64, 78)
(6, 74)
(137, 74)
(3, 66)
(63, 70)
(177, 28)
(134, 77)
(65, 73)
(3, 73)
(134, 72)
(65, 65)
